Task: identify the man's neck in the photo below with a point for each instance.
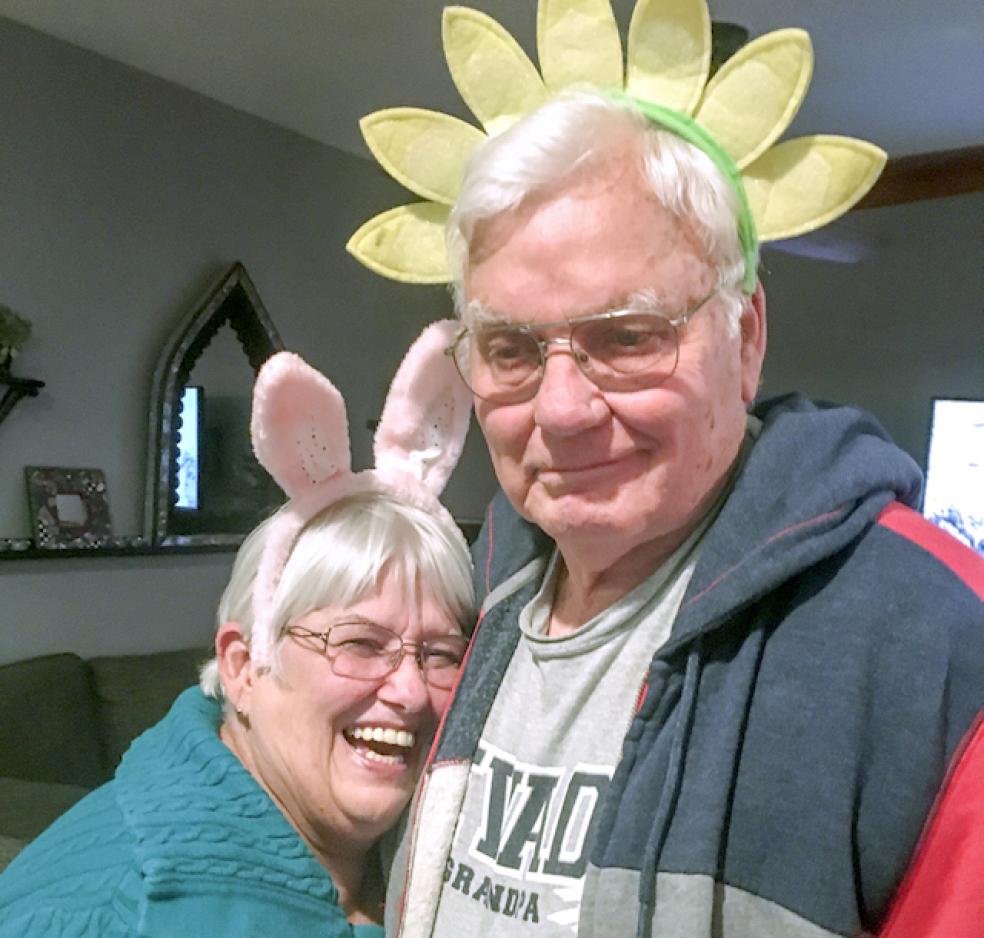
(588, 582)
(591, 579)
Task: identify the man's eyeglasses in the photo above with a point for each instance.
(369, 652)
(624, 350)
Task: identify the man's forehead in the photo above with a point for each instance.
(531, 288)
(477, 312)
(612, 184)
(584, 246)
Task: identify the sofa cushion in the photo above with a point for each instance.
(9, 848)
(48, 722)
(133, 692)
(27, 808)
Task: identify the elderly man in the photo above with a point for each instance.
(722, 669)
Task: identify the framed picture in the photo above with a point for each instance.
(954, 492)
(69, 507)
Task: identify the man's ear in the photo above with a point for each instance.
(235, 665)
(753, 340)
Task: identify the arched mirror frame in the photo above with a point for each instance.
(233, 301)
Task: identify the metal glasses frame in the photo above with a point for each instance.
(394, 660)
(533, 330)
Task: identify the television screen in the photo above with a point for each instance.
(954, 496)
(189, 463)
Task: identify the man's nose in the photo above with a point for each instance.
(567, 401)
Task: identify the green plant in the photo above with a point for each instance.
(14, 332)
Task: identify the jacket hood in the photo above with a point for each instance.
(838, 468)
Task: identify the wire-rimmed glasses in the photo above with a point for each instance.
(620, 350)
(369, 652)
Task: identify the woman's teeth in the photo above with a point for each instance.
(379, 734)
(374, 756)
(381, 743)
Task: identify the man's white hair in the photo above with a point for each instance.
(339, 559)
(575, 132)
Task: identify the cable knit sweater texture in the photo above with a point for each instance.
(183, 841)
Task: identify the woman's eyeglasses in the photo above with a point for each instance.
(369, 652)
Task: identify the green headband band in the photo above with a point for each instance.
(688, 129)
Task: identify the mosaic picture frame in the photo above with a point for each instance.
(69, 507)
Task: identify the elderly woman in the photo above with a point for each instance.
(255, 806)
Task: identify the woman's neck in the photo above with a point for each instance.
(355, 870)
(359, 880)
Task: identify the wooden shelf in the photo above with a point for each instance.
(24, 549)
(111, 550)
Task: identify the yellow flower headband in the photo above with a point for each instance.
(736, 117)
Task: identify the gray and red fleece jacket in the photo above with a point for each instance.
(807, 757)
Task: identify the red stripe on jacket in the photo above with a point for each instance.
(942, 895)
(958, 557)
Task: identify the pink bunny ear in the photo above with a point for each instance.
(300, 435)
(299, 426)
(424, 421)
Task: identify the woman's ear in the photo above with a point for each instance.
(753, 340)
(235, 670)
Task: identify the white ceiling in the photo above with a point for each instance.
(907, 74)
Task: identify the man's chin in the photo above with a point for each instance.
(577, 518)
(585, 519)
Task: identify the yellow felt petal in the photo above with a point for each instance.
(494, 76)
(757, 92)
(406, 243)
(577, 41)
(669, 52)
(805, 183)
(423, 150)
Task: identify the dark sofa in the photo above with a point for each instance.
(65, 723)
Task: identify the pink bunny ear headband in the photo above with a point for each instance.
(300, 436)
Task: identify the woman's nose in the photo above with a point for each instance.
(405, 686)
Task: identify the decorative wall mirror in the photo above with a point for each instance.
(204, 486)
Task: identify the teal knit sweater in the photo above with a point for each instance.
(182, 842)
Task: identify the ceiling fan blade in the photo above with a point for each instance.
(837, 242)
(933, 175)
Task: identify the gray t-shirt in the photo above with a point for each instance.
(547, 752)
